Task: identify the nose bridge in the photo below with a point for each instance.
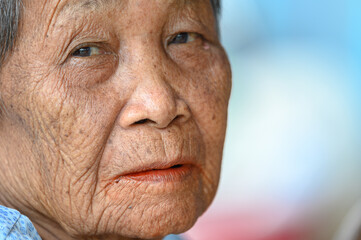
(155, 92)
(153, 86)
(153, 100)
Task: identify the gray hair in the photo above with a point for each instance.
(10, 17)
(9, 21)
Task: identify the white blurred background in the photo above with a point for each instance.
(292, 157)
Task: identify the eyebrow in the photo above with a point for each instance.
(78, 5)
(75, 7)
(90, 3)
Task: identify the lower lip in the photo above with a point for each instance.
(175, 174)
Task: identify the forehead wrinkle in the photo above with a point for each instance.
(179, 7)
(69, 8)
(82, 7)
(53, 16)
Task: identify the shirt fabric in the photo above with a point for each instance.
(173, 237)
(14, 226)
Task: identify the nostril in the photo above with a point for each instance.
(142, 121)
(145, 120)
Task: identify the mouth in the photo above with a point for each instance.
(173, 173)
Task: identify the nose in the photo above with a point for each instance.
(153, 103)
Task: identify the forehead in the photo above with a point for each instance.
(48, 12)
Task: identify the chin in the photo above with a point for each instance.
(148, 210)
(168, 217)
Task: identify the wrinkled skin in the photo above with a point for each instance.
(71, 125)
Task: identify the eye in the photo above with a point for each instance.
(88, 51)
(184, 37)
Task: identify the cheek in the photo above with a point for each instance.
(72, 126)
(208, 94)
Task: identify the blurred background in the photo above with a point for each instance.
(292, 157)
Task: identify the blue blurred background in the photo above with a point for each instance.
(292, 157)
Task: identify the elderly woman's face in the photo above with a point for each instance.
(114, 115)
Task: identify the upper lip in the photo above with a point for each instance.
(159, 165)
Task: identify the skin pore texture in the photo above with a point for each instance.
(114, 117)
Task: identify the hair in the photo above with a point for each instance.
(9, 21)
(216, 4)
(10, 17)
